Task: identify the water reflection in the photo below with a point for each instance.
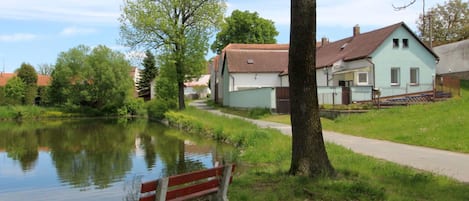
(96, 154)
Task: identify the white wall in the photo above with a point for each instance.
(240, 81)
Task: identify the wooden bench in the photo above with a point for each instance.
(191, 185)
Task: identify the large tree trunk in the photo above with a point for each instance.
(182, 104)
(180, 76)
(309, 156)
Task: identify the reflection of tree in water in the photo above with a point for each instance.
(23, 147)
(172, 152)
(149, 150)
(93, 153)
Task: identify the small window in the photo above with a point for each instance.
(395, 76)
(414, 76)
(250, 61)
(362, 78)
(395, 43)
(405, 43)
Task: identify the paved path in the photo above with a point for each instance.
(454, 165)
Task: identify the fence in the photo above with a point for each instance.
(405, 89)
(447, 84)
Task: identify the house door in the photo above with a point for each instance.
(346, 92)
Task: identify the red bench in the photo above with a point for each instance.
(191, 185)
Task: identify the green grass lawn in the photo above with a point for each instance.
(441, 125)
(264, 159)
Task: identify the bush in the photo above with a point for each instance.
(258, 113)
(133, 106)
(157, 108)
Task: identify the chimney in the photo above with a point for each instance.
(356, 30)
(324, 41)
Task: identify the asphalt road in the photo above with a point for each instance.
(451, 164)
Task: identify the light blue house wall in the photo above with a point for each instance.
(253, 98)
(415, 55)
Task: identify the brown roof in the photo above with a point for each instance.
(359, 46)
(257, 61)
(355, 47)
(42, 80)
(265, 57)
(238, 46)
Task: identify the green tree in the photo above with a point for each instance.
(45, 69)
(97, 78)
(148, 75)
(28, 74)
(14, 91)
(178, 28)
(309, 156)
(448, 22)
(245, 27)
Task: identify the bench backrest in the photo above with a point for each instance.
(189, 185)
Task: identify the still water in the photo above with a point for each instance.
(95, 159)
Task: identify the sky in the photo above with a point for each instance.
(37, 31)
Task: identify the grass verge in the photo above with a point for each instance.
(441, 125)
(265, 157)
(32, 112)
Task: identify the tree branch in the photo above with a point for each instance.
(398, 8)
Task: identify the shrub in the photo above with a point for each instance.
(156, 108)
(257, 113)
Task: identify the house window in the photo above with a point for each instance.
(395, 43)
(414, 76)
(405, 43)
(395, 76)
(362, 78)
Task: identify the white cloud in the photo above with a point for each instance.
(17, 37)
(71, 31)
(86, 11)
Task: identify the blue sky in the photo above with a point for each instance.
(36, 31)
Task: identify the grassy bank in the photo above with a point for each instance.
(265, 158)
(441, 125)
(32, 112)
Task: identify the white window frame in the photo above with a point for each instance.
(358, 78)
(398, 79)
(417, 76)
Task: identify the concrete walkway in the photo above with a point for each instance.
(451, 164)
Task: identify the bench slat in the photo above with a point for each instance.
(149, 186)
(188, 191)
(148, 198)
(194, 176)
(192, 189)
(195, 195)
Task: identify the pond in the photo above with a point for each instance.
(95, 159)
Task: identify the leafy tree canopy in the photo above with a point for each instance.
(28, 74)
(180, 29)
(245, 27)
(98, 78)
(449, 22)
(14, 91)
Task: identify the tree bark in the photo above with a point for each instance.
(309, 156)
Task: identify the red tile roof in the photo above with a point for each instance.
(42, 80)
